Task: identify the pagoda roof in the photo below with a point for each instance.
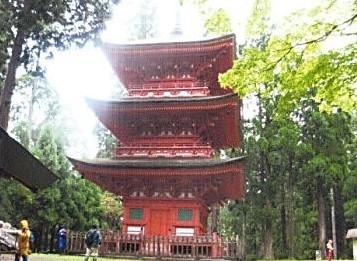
(222, 130)
(136, 64)
(20, 164)
(175, 47)
(211, 180)
(164, 100)
(156, 163)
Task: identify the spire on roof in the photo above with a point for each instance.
(177, 31)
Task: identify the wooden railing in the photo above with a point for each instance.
(115, 244)
(168, 87)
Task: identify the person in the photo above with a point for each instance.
(329, 248)
(23, 241)
(62, 239)
(93, 239)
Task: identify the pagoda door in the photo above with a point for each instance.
(159, 222)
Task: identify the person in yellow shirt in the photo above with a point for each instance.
(23, 242)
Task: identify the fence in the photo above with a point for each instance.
(195, 247)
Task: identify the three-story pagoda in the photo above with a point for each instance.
(173, 119)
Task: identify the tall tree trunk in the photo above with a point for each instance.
(321, 207)
(9, 86)
(46, 240)
(39, 241)
(14, 63)
(53, 239)
(284, 246)
(266, 251)
(289, 209)
(333, 223)
(244, 231)
(30, 115)
(341, 224)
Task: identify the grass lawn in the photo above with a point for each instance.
(57, 257)
(50, 257)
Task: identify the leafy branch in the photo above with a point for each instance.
(321, 38)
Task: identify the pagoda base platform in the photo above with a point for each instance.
(164, 216)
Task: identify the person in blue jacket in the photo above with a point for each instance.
(92, 239)
(62, 240)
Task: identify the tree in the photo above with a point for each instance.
(107, 142)
(300, 61)
(217, 21)
(327, 138)
(33, 28)
(35, 103)
(144, 25)
(285, 72)
(70, 201)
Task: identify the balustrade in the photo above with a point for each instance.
(168, 89)
(116, 244)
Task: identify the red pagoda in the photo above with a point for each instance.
(173, 119)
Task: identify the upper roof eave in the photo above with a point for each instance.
(170, 45)
(157, 163)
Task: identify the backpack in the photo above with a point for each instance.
(90, 237)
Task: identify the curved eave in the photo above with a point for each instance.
(151, 164)
(168, 104)
(216, 180)
(224, 133)
(171, 48)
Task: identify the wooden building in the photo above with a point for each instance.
(170, 125)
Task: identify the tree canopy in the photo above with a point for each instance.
(303, 57)
(31, 29)
(301, 78)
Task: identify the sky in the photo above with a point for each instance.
(80, 73)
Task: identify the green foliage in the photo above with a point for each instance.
(71, 201)
(350, 184)
(219, 23)
(298, 139)
(257, 23)
(107, 142)
(35, 102)
(113, 210)
(301, 62)
(21, 131)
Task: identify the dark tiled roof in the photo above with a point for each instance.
(17, 162)
(157, 162)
